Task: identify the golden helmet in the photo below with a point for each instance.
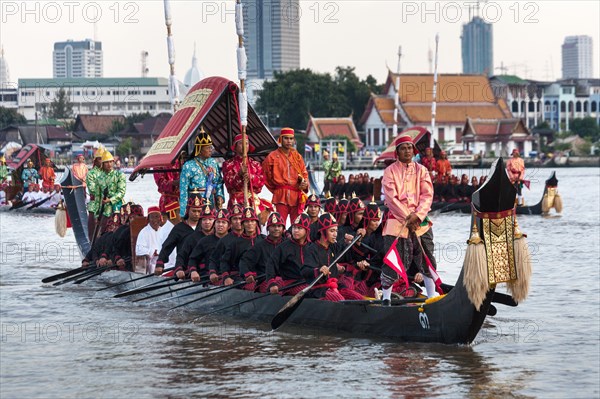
(107, 156)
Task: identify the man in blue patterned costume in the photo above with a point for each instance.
(29, 175)
(202, 173)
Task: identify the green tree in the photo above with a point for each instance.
(9, 116)
(297, 94)
(61, 107)
(586, 127)
(125, 147)
(116, 127)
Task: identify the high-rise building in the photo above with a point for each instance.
(577, 57)
(477, 47)
(81, 59)
(272, 36)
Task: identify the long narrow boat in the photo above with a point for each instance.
(26, 211)
(462, 207)
(451, 319)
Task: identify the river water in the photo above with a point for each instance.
(74, 342)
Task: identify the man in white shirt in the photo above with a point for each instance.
(148, 242)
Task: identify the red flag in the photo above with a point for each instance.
(392, 259)
(434, 275)
(526, 183)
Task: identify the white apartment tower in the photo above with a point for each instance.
(577, 58)
(81, 59)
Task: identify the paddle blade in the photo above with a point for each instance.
(290, 307)
(63, 275)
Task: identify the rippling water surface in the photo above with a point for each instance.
(72, 341)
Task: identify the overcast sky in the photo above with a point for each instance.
(364, 34)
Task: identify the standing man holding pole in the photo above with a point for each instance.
(286, 177)
(408, 195)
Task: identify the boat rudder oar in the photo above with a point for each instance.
(290, 307)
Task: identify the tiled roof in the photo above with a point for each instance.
(327, 127)
(57, 133)
(496, 129)
(98, 124)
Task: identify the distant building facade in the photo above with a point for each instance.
(81, 59)
(101, 96)
(477, 47)
(272, 36)
(577, 57)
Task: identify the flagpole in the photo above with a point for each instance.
(397, 97)
(435, 82)
(173, 85)
(242, 97)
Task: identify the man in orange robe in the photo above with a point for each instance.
(48, 176)
(443, 167)
(80, 169)
(286, 177)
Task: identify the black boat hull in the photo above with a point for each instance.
(76, 208)
(451, 320)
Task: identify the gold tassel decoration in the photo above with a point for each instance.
(546, 204)
(60, 221)
(519, 288)
(558, 204)
(475, 279)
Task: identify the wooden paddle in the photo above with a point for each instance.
(149, 287)
(90, 271)
(290, 307)
(248, 300)
(135, 279)
(194, 284)
(98, 219)
(241, 283)
(62, 275)
(40, 202)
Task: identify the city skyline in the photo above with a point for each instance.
(527, 35)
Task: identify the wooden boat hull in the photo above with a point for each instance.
(451, 320)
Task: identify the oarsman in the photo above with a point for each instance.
(253, 261)
(121, 247)
(354, 222)
(148, 242)
(29, 175)
(214, 262)
(429, 160)
(29, 195)
(168, 187)
(235, 174)
(464, 190)
(332, 169)
(235, 248)
(163, 234)
(179, 232)
(202, 173)
(286, 176)
(55, 198)
(313, 209)
(365, 278)
(204, 228)
(341, 211)
(47, 174)
(102, 251)
(516, 172)
(408, 195)
(199, 258)
(92, 182)
(318, 258)
(329, 205)
(80, 169)
(285, 265)
(3, 170)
